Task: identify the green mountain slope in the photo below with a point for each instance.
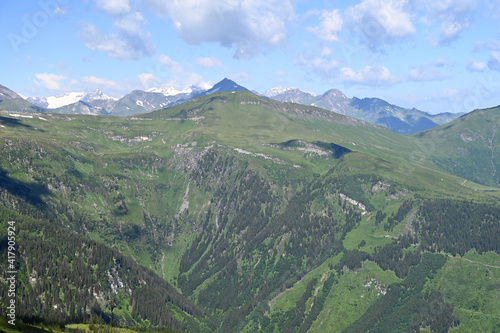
(467, 147)
(266, 215)
(373, 110)
(20, 105)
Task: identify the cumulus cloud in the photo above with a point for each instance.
(251, 26)
(147, 80)
(429, 71)
(170, 64)
(453, 16)
(448, 93)
(49, 80)
(380, 22)
(114, 7)
(209, 62)
(330, 26)
(476, 66)
(326, 68)
(128, 41)
(489, 44)
(370, 75)
(93, 82)
(59, 83)
(423, 74)
(241, 77)
(171, 73)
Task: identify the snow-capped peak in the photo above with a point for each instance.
(96, 95)
(54, 102)
(170, 91)
(276, 91)
(280, 90)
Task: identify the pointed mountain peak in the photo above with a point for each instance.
(96, 95)
(227, 85)
(335, 92)
(224, 85)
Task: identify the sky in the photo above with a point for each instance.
(436, 56)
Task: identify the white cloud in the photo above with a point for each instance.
(326, 52)
(430, 71)
(114, 7)
(93, 82)
(326, 68)
(422, 74)
(170, 64)
(50, 81)
(251, 26)
(330, 26)
(240, 77)
(440, 62)
(380, 22)
(209, 62)
(490, 44)
(147, 80)
(453, 16)
(128, 41)
(170, 73)
(448, 93)
(476, 66)
(370, 75)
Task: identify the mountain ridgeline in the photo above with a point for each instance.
(232, 212)
(372, 110)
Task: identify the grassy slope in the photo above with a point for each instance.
(471, 284)
(467, 147)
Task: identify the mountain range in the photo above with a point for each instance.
(233, 212)
(373, 110)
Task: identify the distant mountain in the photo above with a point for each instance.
(397, 119)
(335, 100)
(97, 95)
(55, 102)
(11, 101)
(291, 95)
(373, 110)
(468, 147)
(224, 85)
(169, 91)
(139, 101)
(6, 93)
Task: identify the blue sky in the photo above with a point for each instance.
(437, 56)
